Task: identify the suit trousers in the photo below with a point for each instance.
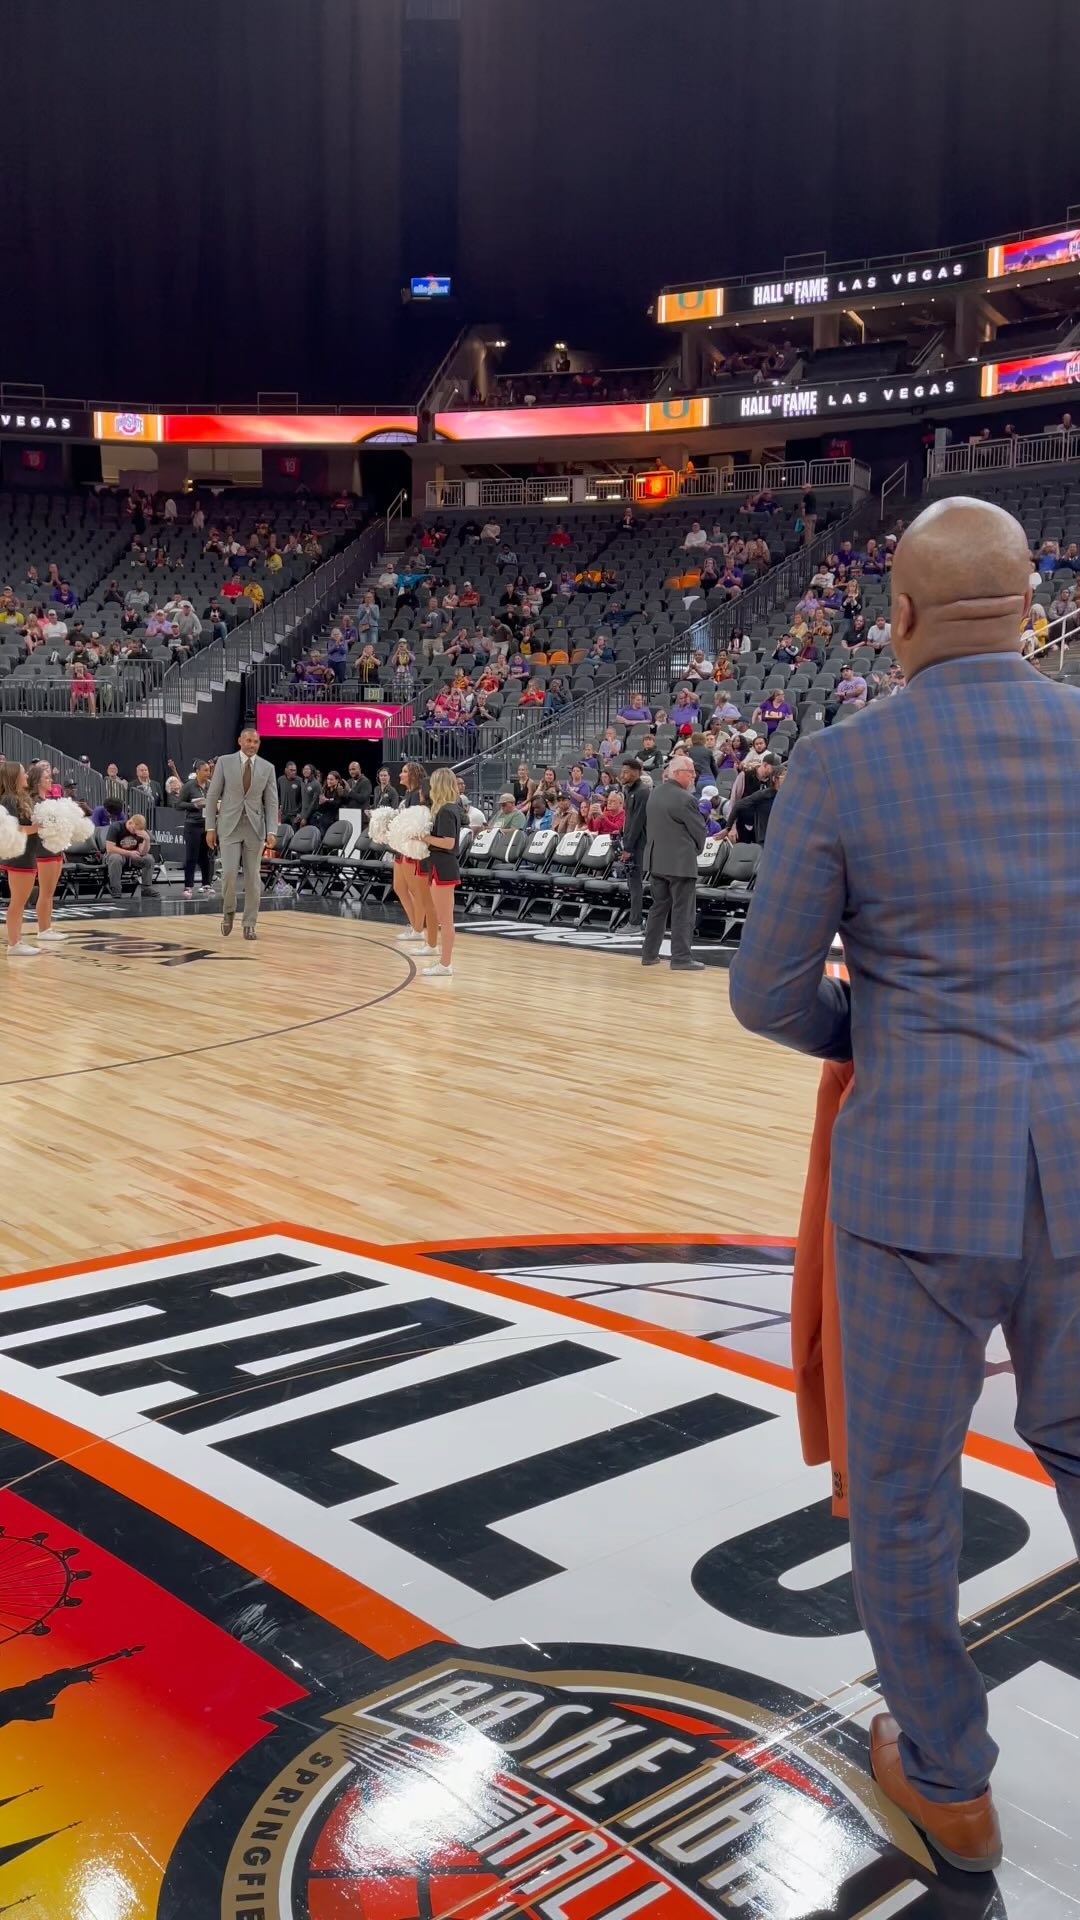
(677, 899)
(636, 884)
(915, 1328)
(243, 845)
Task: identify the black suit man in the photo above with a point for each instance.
(674, 836)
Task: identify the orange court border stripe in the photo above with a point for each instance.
(323, 1589)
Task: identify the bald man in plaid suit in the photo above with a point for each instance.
(926, 832)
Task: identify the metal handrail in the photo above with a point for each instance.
(1068, 630)
(26, 747)
(894, 487)
(428, 400)
(208, 671)
(1051, 448)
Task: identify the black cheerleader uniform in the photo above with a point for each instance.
(33, 855)
(445, 871)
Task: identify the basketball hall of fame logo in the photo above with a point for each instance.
(353, 1583)
(480, 1789)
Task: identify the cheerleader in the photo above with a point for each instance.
(445, 872)
(21, 867)
(412, 880)
(39, 783)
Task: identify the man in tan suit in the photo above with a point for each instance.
(243, 791)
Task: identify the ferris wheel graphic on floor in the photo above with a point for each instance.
(36, 1579)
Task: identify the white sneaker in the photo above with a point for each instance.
(409, 935)
(51, 934)
(186, 895)
(22, 950)
(437, 972)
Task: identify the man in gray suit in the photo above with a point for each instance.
(674, 836)
(243, 792)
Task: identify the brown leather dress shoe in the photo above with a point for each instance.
(965, 1832)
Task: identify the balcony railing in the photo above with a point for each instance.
(1013, 450)
(606, 489)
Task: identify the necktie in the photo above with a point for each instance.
(247, 776)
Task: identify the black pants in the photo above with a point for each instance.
(636, 884)
(197, 854)
(676, 899)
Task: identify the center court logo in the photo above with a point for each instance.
(489, 1791)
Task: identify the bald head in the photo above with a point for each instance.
(960, 583)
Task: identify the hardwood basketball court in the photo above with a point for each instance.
(161, 1081)
(391, 1370)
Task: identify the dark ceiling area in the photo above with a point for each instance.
(208, 200)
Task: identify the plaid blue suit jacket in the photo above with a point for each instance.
(939, 832)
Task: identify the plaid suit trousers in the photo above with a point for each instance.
(915, 1328)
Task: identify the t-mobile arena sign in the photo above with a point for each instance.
(278, 719)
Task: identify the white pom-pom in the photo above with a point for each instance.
(407, 830)
(12, 837)
(61, 824)
(379, 825)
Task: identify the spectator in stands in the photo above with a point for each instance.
(749, 816)
(368, 618)
(83, 693)
(880, 634)
(858, 636)
(557, 697)
(559, 536)
(724, 712)
(685, 711)
(652, 760)
(232, 589)
(533, 695)
(700, 668)
(491, 529)
(696, 537)
(578, 788)
(634, 712)
(144, 791)
(54, 628)
(508, 815)
(702, 759)
(337, 654)
(127, 847)
(612, 816)
(773, 709)
(850, 691)
(188, 625)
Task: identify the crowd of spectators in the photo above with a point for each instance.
(520, 642)
(145, 611)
